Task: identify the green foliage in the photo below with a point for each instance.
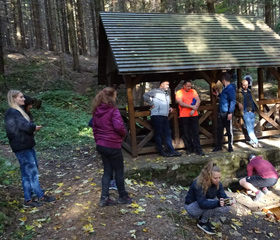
(8, 171)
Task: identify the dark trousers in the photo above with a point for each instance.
(162, 131)
(224, 123)
(113, 162)
(191, 133)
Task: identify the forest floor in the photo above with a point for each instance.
(73, 176)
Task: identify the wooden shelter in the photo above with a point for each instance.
(148, 47)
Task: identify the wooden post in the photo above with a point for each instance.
(214, 105)
(131, 113)
(260, 83)
(239, 78)
(278, 70)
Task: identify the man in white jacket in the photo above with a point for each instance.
(159, 100)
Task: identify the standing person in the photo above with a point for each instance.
(207, 198)
(109, 131)
(189, 102)
(159, 100)
(225, 112)
(260, 174)
(249, 78)
(20, 132)
(248, 107)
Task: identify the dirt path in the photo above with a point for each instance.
(158, 213)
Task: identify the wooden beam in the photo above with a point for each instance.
(274, 124)
(260, 83)
(146, 140)
(239, 78)
(144, 123)
(131, 113)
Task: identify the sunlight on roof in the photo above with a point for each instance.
(246, 23)
(196, 45)
(207, 18)
(224, 22)
(263, 26)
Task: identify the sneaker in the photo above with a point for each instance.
(211, 225)
(254, 145)
(113, 185)
(125, 200)
(47, 199)
(265, 190)
(200, 153)
(216, 149)
(230, 149)
(32, 204)
(206, 228)
(106, 202)
(175, 154)
(258, 196)
(260, 145)
(163, 153)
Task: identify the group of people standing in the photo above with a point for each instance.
(206, 196)
(242, 103)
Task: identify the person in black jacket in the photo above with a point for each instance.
(206, 197)
(20, 132)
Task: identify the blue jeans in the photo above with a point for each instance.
(249, 120)
(112, 161)
(29, 173)
(162, 131)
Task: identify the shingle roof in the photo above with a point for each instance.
(147, 43)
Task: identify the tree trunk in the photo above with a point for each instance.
(49, 20)
(210, 6)
(72, 34)
(81, 29)
(2, 69)
(65, 37)
(94, 26)
(17, 31)
(58, 28)
(37, 24)
(268, 14)
(8, 39)
(21, 27)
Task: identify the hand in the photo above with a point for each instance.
(194, 107)
(170, 110)
(229, 116)
(192, 112)
(38, 128)
(215, 92)
(222, 202)
(240, 106)
(152, 107)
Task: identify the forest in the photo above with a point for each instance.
(71, 27)
(49, 51)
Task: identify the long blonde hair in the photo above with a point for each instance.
(204, 178)
(106, 96)
(10, 97)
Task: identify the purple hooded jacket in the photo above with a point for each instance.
(107, 126)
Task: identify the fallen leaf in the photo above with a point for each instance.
(23, 219)
(159, 216)
(56, 227)
(88, 228)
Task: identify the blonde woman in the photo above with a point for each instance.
(20, 132)
(206, 197)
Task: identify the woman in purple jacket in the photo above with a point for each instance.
(108, 130)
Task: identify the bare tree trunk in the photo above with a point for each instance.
(21, 27)
(65, 37)
(72, 34)
(59, 31)
(94, 20)
(268, 14)
(49, 20)
(2, 69)
(8, 32)
(210, 6)
(17, 31)
(81, 29)
(37, 24)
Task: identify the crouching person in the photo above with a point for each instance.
(206, 197)
(260, 175)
